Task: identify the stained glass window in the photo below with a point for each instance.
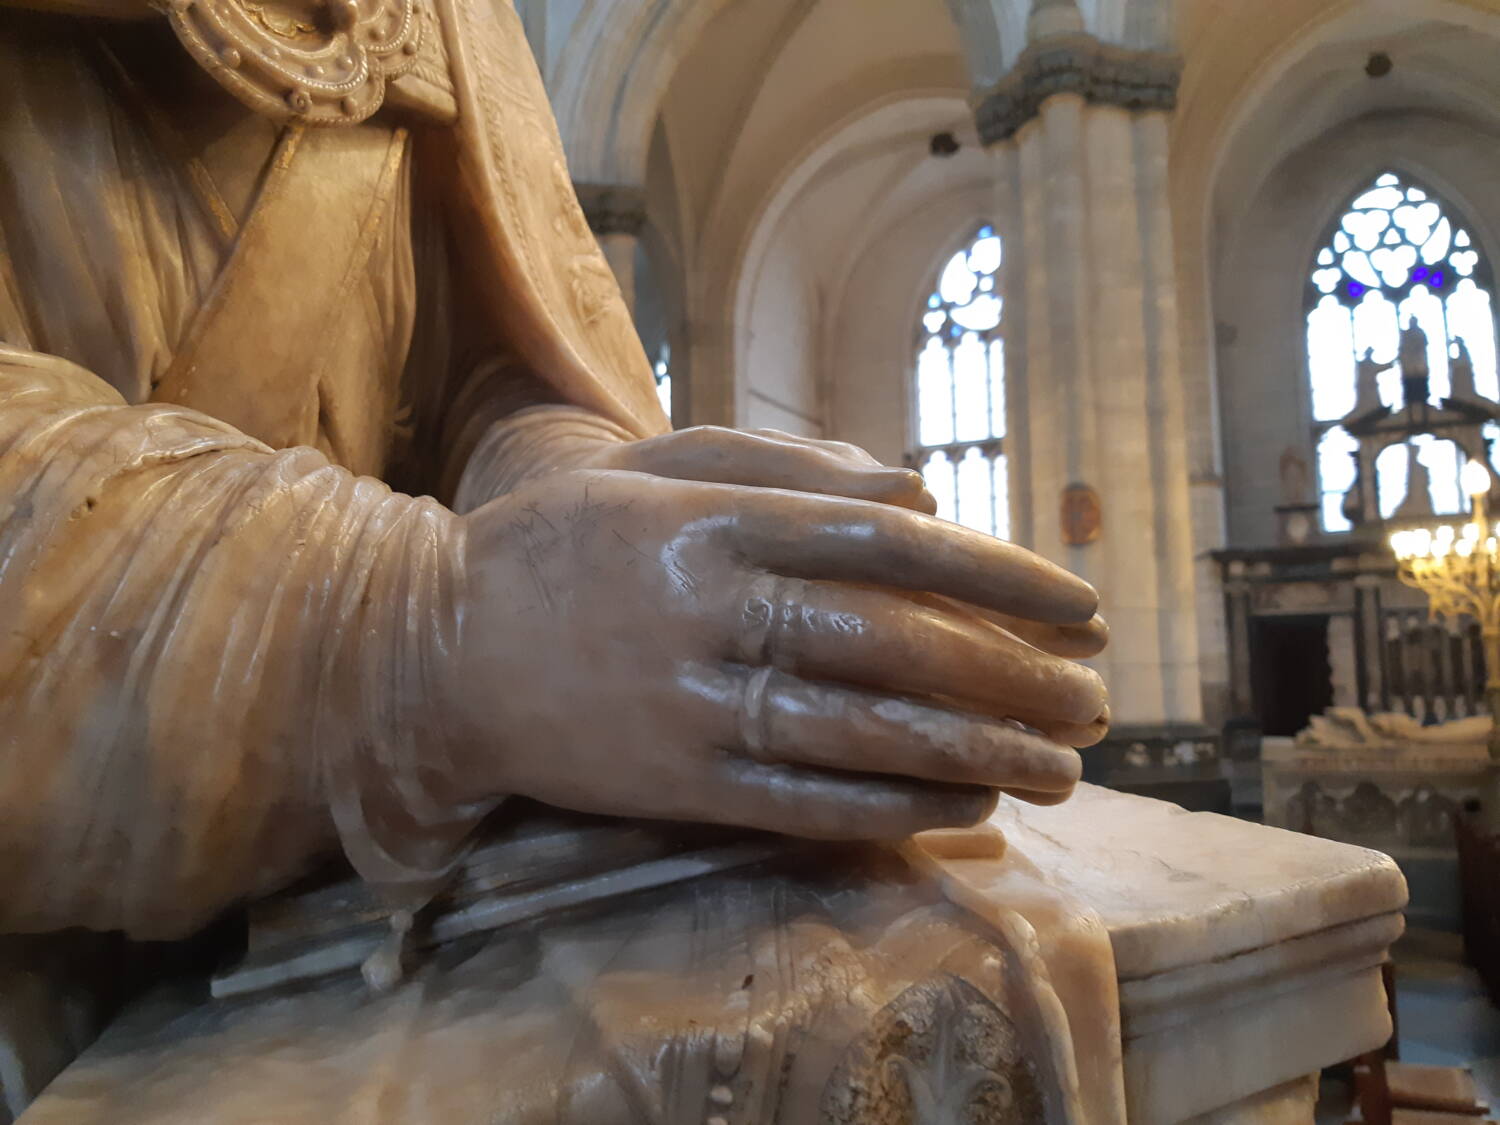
(662, 368)
(961, 390)
(1396, 255)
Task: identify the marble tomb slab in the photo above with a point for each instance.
(1246, 957)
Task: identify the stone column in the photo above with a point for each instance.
(1098, 381)
(616, 214)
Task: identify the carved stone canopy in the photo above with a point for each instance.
(1457, 419)
(1077, 64)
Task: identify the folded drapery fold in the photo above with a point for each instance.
(207, 645)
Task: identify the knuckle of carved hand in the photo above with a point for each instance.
(695, 436)
(790, 618)
(762, 618)
(756, 735)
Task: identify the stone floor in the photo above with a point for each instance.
(1445, 1018)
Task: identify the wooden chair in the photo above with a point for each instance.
(1394, 1093)
(1397, 1093)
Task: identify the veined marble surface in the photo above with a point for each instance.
(1177, 888)
(1244, 957)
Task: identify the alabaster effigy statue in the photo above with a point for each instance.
(371, 649)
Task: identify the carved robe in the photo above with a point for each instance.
(153, 259)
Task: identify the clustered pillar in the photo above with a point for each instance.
(1079, 134)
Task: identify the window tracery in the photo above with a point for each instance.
(1397, 258)
(960, 389)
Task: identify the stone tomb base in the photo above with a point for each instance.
(1154, 966)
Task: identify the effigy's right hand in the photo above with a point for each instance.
(808, 664)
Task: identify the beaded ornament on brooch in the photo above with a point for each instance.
(317, 62)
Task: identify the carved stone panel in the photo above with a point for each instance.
(941, 1053)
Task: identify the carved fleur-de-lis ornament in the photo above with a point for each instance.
(320, 62)
(943, 1086)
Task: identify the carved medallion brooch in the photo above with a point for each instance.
(321, 62)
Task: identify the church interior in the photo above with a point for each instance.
(1196, 300)
(1098, 269)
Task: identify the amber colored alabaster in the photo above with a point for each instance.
(237, 307)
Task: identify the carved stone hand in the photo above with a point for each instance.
(542, 440)
(809, 664)
(767, 459)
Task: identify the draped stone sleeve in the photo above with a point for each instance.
(480, 420)
(527, 444)
(212, 663)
